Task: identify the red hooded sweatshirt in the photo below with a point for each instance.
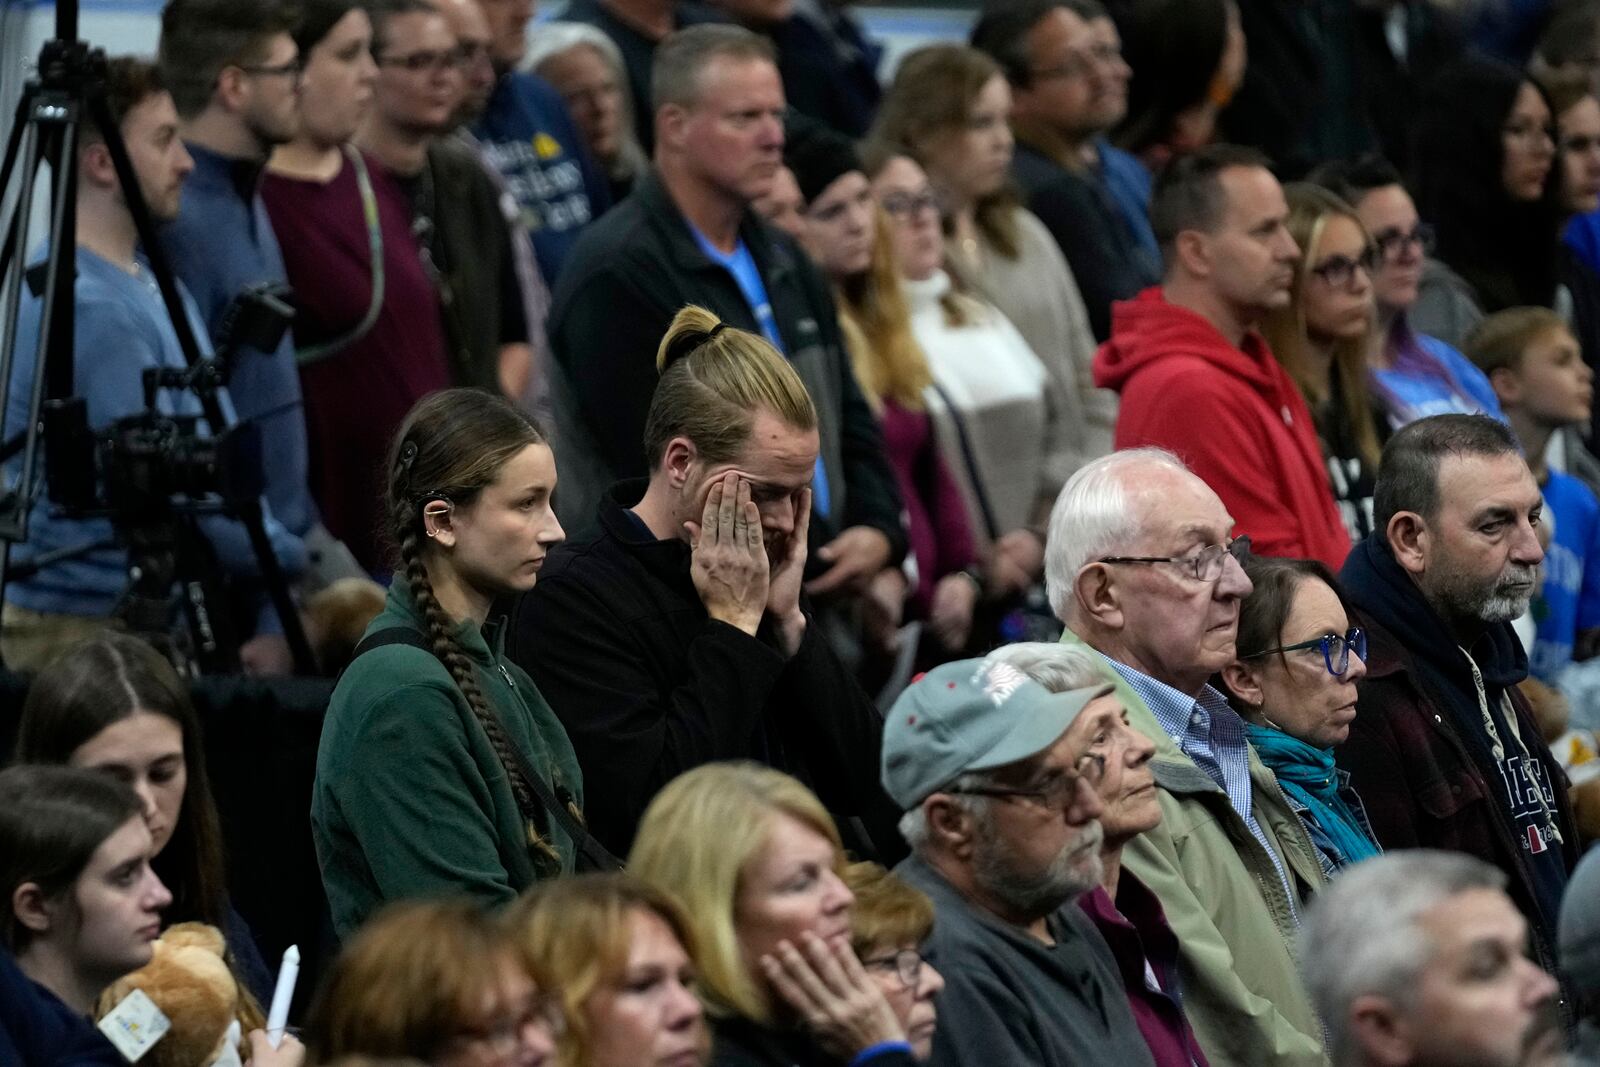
(1233, 415)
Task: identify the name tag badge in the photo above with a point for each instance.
(135, 1025)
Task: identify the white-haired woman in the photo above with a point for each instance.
(586, 69)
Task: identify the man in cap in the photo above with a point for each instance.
(995, 777)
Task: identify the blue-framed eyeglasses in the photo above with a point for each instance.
(1336, 649)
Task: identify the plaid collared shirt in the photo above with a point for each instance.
(1211, 733)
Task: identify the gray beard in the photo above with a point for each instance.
(1492, 605)
(1075, 871)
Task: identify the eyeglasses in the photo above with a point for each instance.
(1392, 244)
(1205, 565)
(1339, 271)
(906, 964)
(1336, 649)
(1055, 791)
(908, 205)
(504, 1036)
(292, 69)
(1531, 134)
(427, 61)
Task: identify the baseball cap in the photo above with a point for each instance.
(971, 715)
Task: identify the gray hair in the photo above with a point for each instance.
(680, 59)
(1092, 515)
(1360, 935)
(1056, 666)
(554, 39)
(913, 824)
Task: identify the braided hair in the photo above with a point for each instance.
(451, 447)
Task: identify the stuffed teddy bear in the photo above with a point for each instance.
(189, 980)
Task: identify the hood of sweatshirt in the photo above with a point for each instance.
(1148, 330)
(1377, 584)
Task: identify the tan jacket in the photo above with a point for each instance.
(1226, 904)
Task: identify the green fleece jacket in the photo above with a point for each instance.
(1226, 904)
(410, 799)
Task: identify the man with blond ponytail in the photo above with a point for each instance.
(688, 234)
(678, 634)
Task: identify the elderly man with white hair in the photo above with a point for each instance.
(1142, 566)
(998, 786)
(1417, 958)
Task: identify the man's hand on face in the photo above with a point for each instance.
(855, 557)
(729, 563)
(788, 572)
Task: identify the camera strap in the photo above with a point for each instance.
(591, 855)
(369, 212)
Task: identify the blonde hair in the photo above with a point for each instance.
(888, 913)
(574, 938)
(888, 361)
(407, 981)
(1310, 208)
(694, 842)
(1499, 341)
(714, 378)
(931, 99)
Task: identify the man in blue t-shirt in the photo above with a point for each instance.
(528, 136)
(121, 329)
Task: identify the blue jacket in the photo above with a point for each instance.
(220, 245)
(528, 136)
(121, 328)
(37, 1030)
(1455, 386)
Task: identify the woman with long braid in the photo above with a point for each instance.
(423, 775)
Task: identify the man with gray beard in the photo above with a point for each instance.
(998, 783)
(1444, 751)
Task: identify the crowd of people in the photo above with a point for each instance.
(1084, 550)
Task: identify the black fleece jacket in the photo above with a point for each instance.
(648, 685)
(632, 271)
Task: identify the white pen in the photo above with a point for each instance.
(288, 974)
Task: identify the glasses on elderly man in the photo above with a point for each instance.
(1205, 565)
(1054, 791)
(1336, 649)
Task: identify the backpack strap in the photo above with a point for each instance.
(590, 853)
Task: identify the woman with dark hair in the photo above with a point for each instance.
(441, 767)
(436, 981)
(947, 110)
(115, 704)
(1322, 337)
(1188, 59)
(1485, 152)
(1410, 374)
(1294, 681)
(368, 323)
(843, 230)
(82, 904)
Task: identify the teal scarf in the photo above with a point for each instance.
(1306, 774)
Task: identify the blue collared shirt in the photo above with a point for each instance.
(1207, 730)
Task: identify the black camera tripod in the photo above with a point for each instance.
(68, 91)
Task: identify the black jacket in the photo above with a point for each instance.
(742, 1043)
(1418, 753)
(1106, 258)
(648, 685)
(634, 269)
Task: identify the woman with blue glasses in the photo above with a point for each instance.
(1294, 681)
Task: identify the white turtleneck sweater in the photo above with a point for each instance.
(997, 388)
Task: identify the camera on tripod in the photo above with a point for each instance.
(140, 465)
